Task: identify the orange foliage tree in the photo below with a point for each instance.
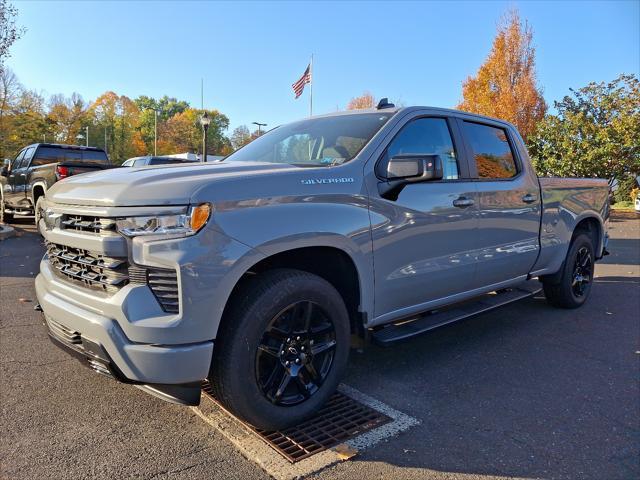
(366, 100)
(505, 85)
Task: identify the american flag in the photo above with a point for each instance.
(298, 87)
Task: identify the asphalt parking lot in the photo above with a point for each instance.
(526, 391)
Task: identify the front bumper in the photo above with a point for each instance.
(102, 345)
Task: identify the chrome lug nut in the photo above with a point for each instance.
(287, 363)
(298, 339)
(297, 361)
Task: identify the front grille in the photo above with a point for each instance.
(86, 223)
(91, 269)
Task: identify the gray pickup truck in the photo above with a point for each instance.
(259, 272)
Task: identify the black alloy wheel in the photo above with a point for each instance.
(582, 272)
(295, 354)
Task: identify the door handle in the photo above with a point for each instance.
(463, 202)
(529, 198)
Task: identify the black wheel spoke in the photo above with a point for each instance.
(277, 333)
(319, 331)
(313, 374)
(282, 386)
(269, 350)
(302, 386)
(318, 348)
(296, 353)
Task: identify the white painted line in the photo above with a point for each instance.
(257, 450)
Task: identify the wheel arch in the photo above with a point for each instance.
(38, 189)
(331, 263)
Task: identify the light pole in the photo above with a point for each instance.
(259, 125)
(87, 135)
(204, 121)
(155, 134)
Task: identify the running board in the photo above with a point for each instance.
(393, 333)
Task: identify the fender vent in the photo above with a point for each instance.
(162, 282)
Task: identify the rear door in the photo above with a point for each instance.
(507, 199)
(424, 239)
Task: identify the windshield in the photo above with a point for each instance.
(316, 142)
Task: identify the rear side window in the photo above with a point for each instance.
(427, 136)
(491, 150)
(47, 155)
(94, 156)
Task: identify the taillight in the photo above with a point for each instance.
(62, 172)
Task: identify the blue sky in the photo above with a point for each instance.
(249, 54)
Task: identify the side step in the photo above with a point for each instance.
(393, 333)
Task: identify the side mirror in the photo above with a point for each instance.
(409, 168)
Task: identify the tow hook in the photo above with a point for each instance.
(37, 307)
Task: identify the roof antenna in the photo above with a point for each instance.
(384, 103)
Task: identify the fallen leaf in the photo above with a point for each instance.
(345, 452)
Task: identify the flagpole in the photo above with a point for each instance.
(311, 88)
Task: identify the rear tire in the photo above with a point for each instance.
(572, 287)
(281, 349)
(4, 216)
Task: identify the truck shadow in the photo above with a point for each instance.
(20, 254)
(525, 391)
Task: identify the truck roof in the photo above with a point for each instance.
(444, 111)
(61, 145)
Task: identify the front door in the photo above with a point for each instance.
(423, 241)
(11, 192)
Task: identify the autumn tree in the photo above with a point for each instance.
(240, 137)
(505, 85)
(596, 133)
(116, 117)
(183, 133)
(66, 118)
(366, 100)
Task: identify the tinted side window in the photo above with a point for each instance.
(163, 161)
(47, 155)
(428, 136)
(491, 151)
(93, 156)
(16, 163)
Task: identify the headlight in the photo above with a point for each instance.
(183, 224)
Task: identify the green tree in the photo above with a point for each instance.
(596, 133)
(166, 107)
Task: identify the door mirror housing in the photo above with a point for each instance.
(414, 168)
(409, 168)
(6, 167)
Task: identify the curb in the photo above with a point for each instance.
(6, 231)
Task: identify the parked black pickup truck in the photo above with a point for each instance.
(36, 168)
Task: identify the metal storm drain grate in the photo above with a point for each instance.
(341, 419)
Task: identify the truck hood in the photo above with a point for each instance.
(162, 185)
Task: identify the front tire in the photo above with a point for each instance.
(282, 348)
(4, 216)
(572, 287)
(38, 212)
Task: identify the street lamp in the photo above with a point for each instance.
(204, 121)
(259, 125)
(155, 132)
